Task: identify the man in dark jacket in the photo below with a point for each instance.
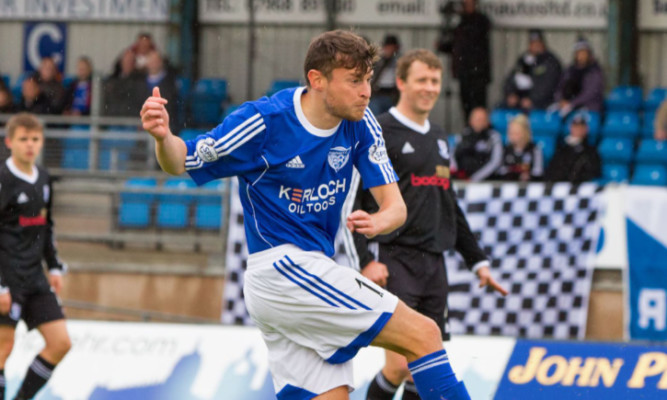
(383, 83)
(582, 85)
(479, 151)
(575, 161)
(471, 56)
(534, 78)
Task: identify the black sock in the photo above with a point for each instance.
(381, 388)
(410, 391)
(38, 374)
(2, 384)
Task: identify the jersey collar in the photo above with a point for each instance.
(31, 179)
(423, 129)
(304, 121)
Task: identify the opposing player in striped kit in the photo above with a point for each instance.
(26, 238)
(293, 154)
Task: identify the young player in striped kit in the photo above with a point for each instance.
(293, 154)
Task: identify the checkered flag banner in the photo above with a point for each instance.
(541, 240)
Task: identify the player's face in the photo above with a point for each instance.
(25, 145)
(348, 93)
(422, 87)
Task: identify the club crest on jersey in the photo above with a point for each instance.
(206, 150)
(444, 149)
(378, 154)
(338, 157)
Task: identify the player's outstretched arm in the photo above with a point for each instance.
(389, 217)
(169, 149)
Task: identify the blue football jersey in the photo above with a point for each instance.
(293, 177)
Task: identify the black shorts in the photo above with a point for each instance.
(35, 308)
(419, 279)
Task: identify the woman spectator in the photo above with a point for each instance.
(50, 84)
(32, 99)
(522, 160)
(582, 84)
(79, 92)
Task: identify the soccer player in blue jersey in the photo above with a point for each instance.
(293, 155)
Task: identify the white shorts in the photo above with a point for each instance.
(314, 316)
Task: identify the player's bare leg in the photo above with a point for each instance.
(339, 393)
(58, 344)
(6, 346)
(57, 340)
(395, 368)
(419, 339)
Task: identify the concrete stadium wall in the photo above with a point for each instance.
(653, 59)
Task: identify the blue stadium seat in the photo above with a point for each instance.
(655, 98)
(615, 173)
(652, 151)
(545, 123)
(624, 98)
(189, 134)
(647, 124)
(75, 149)
(119, 149)
(206, 100)
(593, 119)
(135, 208)
(16, 88)
(624, 124)
(548, 144)
(67, 80)
(228, 110)
(173, 210)
(615, 150)
(650, 175)
(501, 117)
(184, 86)
(279, 85)
(5, 79)
(208, 208)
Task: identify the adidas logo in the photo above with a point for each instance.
(296, 163)
(407, 148)
(22, 198)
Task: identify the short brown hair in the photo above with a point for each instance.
(339, 49)
(25, 120)
(427, 57)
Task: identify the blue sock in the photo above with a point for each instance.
(435, 379)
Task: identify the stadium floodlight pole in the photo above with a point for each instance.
(331, 10)
(252, 44)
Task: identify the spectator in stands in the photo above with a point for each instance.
(123, 91)
(471, 56)
(534, 78)
(660, 122)
(575, 161)
(383, 83)
(79, 93)
(140, 48)
(50, 84)
(480, 150)
(32, 99)
(157, 74)
(522, 160)
(6, 102)
(582, 84)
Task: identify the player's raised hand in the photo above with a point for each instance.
(376, 272)
(485, 279)
(5, 303)
(364, 223)
(154, 115)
